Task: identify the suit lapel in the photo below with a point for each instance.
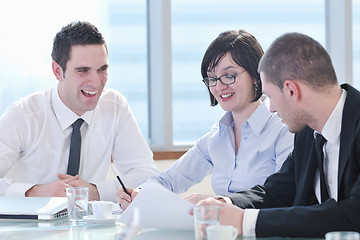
(348, 126)
(310, 178)
(306, 192)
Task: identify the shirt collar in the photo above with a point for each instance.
(226, 120)
(332, 127)
(65, 115)
(256, 121)
(259, 118)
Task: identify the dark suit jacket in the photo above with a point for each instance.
(287, 199)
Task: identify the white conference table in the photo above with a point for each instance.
(62, 229)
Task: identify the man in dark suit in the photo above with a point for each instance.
(304, 199)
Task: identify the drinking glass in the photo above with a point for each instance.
(205, 215)
(77, 199)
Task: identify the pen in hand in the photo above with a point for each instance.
(118, 178)
(123, 186)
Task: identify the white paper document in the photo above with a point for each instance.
(160, 208)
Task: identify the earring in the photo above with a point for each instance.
(214, 101)
(256, 88)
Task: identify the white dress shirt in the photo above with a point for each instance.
(265, 144)
(35, 142)
(331, 132)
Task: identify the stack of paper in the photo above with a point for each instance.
(160, 208)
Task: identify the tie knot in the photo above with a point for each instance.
(319, 140)
(77, 124)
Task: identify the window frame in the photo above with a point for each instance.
(338, 25)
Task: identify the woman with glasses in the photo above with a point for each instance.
(248, 143)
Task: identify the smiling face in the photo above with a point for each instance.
(81, 85)
(235, 97)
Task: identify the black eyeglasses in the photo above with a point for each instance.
(226, 79)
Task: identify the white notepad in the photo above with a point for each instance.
(41, 208)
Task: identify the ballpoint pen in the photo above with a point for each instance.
(119, 179)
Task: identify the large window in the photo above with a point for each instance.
(27, 32)
(198, 22)
(28, 28)
(356, 43)
(126, 36)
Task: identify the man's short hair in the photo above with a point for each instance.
(75, 33)
(296, 56)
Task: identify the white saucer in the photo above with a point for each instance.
(92, 219)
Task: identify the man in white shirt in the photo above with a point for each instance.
(36, 130)
(317, 190)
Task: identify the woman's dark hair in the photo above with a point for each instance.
(245, 51)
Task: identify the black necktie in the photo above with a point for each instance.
(319, 143)
(75, 147)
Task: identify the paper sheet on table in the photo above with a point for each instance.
(160, 208)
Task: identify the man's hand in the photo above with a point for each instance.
(195, 197)
(229, 214)
(123, 199)
(77, 182)
(54, 189)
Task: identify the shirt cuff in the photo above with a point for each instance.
(249, 222)
(18, 189)
(226, 199)
(107, 190)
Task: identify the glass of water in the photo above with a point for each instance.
(342, 236)
(205, 215)
(77, 199)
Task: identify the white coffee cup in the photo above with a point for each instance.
(222, 232)
(102, 209)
